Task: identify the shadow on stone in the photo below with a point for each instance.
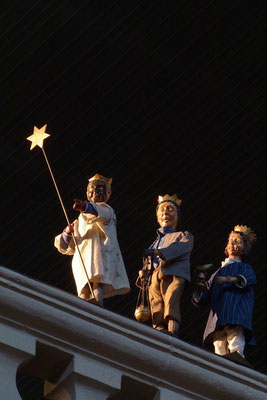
(132, 389)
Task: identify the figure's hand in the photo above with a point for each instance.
(148, 252)
(224, 279)
(151, 252)
(79, 205)
(200, 284)
(203, 276)
(221, 279)
(227, 279)
(69, 229)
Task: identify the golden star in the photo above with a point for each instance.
(39, 135)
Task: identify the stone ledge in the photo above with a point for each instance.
(106, 346)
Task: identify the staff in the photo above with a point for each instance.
(37, 139)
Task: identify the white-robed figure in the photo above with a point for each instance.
(96, 236)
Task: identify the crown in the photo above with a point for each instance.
(98, 177)
(173, 199)
(245, 229)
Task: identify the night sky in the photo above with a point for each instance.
(163, 96)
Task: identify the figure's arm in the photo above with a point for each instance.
(238, 280)
(151, 253)
(66, 237)
(200, 298)
(177, 250)
(64, 242)
(84, 206)
(244, 278)
(248, 274)
(93, 212)
(204, 297)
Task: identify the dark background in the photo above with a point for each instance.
(163, 96)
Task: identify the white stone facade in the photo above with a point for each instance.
(85, 352)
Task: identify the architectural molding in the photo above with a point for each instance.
(84, 349)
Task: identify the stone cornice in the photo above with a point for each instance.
(99, 338)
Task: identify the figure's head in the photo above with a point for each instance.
(168, 210)
(240, 242)
(99, 189)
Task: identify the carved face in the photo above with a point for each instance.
(97, 192)
(235, 245)
(167, 215)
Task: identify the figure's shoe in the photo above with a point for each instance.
(161, 327)
(84, 296)
(175, 334)
(91, 300)
(94, 301)
(173, 327)
(237, 358)
(164, 330)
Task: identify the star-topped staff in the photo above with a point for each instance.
(37, 139)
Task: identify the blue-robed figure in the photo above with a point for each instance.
(230, 293)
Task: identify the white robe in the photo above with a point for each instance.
(97, 240)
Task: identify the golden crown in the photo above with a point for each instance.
(245, 229)
(172, 198)
(98, 177)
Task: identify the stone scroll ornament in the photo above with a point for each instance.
(37, 139)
